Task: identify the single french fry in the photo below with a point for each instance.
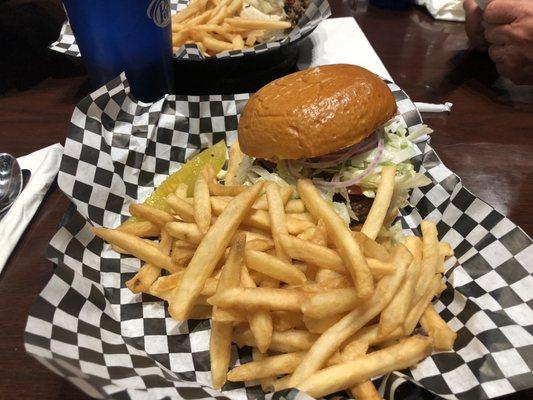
(217, 46)
(262, 298)
(182, 244)
(217, 16)
(340, 234)
(284, 320)
(260, 321)
(333, 338)
(371, 248)
(308, 234)
(194, 7)
(266, 383)
(321, 305)
(274, 267)
(215, 188)
(180, 206)
(445, 249)
(122, 251)
(320, 325)
(396, 311)
(236, 157)
(141, 229)
(320, 235)
(230, 275)
(431, 259)
(325, 275)
(295, 206)
(418, 308)
(237, 42)
(252, 37)
(185, 231)
(230, 315)
(148, 273)
(169, 282)
(209, 252)
(151, 214)
(312, 253)
(219, 352)
(365, 391)
(235, 5)
(257, 24)
(262, 203)
(278, 219)
(137, 247)
(267, 367)
(342, 376)
(380, 205)
(259, 245)
(182, 256)
(260, 219)
(288, 341)
(202, 205)
(379, 268)
(443, 336)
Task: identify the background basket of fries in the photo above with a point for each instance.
(246, 43)
(307, 302)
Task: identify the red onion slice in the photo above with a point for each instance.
(373, 164)
(292, 170)
(340, 157)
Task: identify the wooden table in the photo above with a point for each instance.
(486, 140)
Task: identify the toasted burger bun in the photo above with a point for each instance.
(314, 112)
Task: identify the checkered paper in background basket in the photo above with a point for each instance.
(88, 327)
(317, 11)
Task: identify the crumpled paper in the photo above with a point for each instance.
(446, 10)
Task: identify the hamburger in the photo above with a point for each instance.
(336, 125)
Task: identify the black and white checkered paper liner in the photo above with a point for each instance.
(88, 327)
(317, 11)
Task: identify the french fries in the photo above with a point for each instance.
(274, 267)
(220, 340)
(345, 375)
(215, 26)
(348, 248)
(202, 205)
(381, 203)
(267, 367)
(209, 252)
(137, 247)
(324, 308)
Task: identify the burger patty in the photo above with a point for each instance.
(295, 9)
(361, 206)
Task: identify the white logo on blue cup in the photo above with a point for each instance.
(159, 12)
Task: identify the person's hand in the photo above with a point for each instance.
(473, 25)
(509, 31)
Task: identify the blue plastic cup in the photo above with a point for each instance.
(125, 35)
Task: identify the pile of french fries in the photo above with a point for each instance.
(324, 308)
(215, 26)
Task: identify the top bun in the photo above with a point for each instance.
(314, 112)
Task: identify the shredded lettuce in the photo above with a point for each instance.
(398, 149)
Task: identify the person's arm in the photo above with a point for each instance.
(509, 32)
(474, 25)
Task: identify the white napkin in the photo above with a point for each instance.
(340, 40)
(447, 10)
(44, 165)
